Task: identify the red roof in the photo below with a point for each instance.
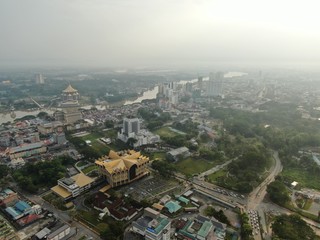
(28, 219)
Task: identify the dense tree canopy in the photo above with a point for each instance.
(165, 168)
(41, 174)
(278, 192)
(4, 170)
(292, 227)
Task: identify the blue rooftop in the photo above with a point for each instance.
(12, 212)
(22, 206)
(173, 206)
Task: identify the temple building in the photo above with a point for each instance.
(123, 167)
(69, 113)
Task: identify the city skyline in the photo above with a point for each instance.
(158, 33)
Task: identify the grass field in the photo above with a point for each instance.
(89, 169)
(96, 144)
(213, 177)
(191, 166)
(165, 132)
(302, 177)
(158, 156)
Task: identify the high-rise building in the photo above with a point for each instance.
(200, 82)
(214, 87)
(39, 78)
(131, 125)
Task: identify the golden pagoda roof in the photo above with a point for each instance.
(70, 89)
(118, 162)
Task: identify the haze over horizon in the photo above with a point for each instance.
(104, 33)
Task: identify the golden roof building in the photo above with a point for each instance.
(123, 167)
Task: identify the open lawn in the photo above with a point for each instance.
(213, 177)
(191, 166)
(158, 156)
(165, 132)
(302, 177)
(100, 147)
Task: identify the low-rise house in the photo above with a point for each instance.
(178, 153)
(114, 207)
(7, 196)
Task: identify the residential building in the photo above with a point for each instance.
(114, 207)
(72, 187)
(214, 85)
(123, 167)
(7, 196)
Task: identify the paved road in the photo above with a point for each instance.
(64, 216)
(257, 195)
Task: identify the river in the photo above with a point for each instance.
(149, 94)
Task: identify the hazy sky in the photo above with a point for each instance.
(150, 32)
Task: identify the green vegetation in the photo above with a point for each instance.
(55, 200)
(154, 118)
(158, 156)
(81, 163)
(219, 215)
(164, 168)
(165, 132)
(305, 171)
(96, 148)
(107, 227)
(278, 193)
(191, 165)
(89, 169)
(188, 127)
(292, 227)
(287, 133)
(214, 177)
(31, 177)
(244, 179)
(4, 170)
(246, 230)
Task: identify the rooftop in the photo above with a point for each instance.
(173, 206)
(70, 89)
(25, 147)
(62, 192)
(205, 229)
(122, 161)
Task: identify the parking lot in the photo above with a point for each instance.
(151, 187)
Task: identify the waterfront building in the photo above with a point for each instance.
(70, 106)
